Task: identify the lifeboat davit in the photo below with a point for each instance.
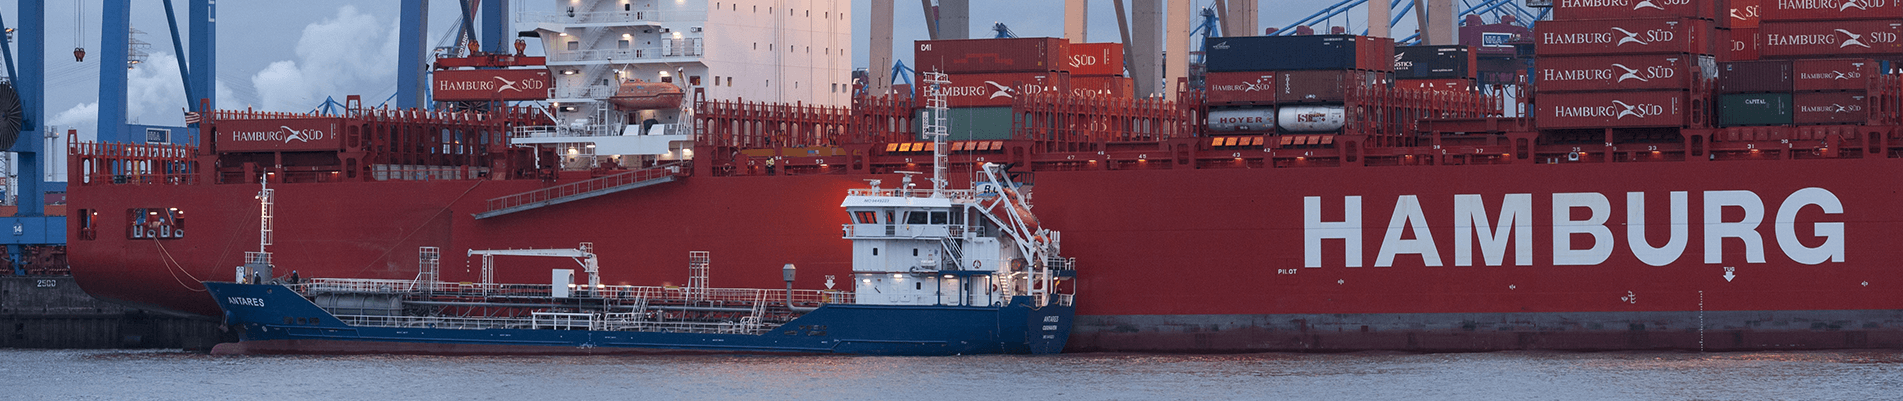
(644, 95)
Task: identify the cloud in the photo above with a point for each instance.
(352, 53)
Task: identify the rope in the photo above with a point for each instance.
(169, 262)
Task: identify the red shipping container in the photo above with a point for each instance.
(1831, 39)
(1376, 55)
(1106, 87)
(1744, 45)
(1568, 10)
(1841, 107)
(1452, 84)
(1603, 73)
(1235, 88)
(1611, 109)
(1333, 86)
(1094, 59)
(1637, 36)
(1827, 10)
(1833, 74)
(1744, 14)
(987, 90)
(983, 56)
(486, 85)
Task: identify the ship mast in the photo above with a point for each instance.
(935, 128)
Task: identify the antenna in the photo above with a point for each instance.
(935, 128)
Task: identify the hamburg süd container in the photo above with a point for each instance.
(1436, 62)
(1244, 119)
(1322, 86)
(1309, 118)
(1744, 14)
(1632, 36)
(1094, 59)
(1840, 107)
(1837, 74)
(1611, 109)
(1830, 39)
(1623, 72)
(985, 90)
(1631, 9)
(1745, 109)
(1231, 88)
(1102, 86)
(969, 56)
(1755, 76)
(1828, 10)
(1744, 44)
(1299, 52)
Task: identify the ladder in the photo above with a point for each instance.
(751, 324)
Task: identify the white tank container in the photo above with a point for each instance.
(1309, 118)
(1235, 120)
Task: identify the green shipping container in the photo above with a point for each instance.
(1754, 109)
(970, 123)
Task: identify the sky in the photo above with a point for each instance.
(292, 55)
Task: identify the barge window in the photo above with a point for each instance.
(938, 217)
(866, 217)
(915, 218)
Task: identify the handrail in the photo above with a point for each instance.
(597, 184)
(619, 292)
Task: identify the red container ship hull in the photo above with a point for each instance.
(1195, 260)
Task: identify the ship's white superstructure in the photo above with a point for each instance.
(780, 51)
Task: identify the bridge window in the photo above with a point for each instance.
(875, 251)
(938, 217)
(916, 217)
(866, 217)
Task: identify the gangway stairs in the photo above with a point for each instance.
(585, 189)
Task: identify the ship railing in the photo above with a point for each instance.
(140, 178)
(599, 17)
(370, 285)
(1064, 299)
(592, 185)
(558, 321)
(956, 195)
(560, 131)
(586, 92)
(621, 292)
(408, 172)
(438, 322)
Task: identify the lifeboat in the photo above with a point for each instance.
(643, 95)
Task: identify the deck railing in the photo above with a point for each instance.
(582, 187)
(618, 292)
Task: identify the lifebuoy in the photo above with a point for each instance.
(977, 264)
(1573, 157)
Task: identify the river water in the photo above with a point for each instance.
(118, 374)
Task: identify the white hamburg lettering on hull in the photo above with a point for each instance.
(1514, 224)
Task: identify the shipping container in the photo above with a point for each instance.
(1635, 9)
(1449, 84)
(1437, 62)
(1744, 14)
(1246, 119)
(1099, 86)
(1635, 36)
(1745, 109)
(1755, 76)
(491, 84)
(1094, 59)
(969, 123)
(981, 56)
(1611, 109)
(984, 90)
(1744, 44)
(1833, 74)
(1838, 107)
(1497, 39)
(1828, 10)
(1299, 53)
(1310, 118)
(1625, 72)
(1322, 86)
(1781, 39)
(1238, 88)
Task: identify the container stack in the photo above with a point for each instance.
(1617, 65)
(1435, 67)
(1740, 29)
(1096, 70)
(986, 75)
(1290, 84)
(1804, 77)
